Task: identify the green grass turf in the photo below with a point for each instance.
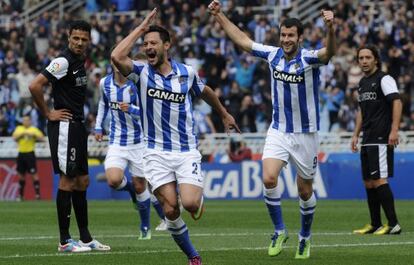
(229, 233)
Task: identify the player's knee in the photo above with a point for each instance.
(270, 181)
(305, 193)
(172, 213)
(191, 205)
(82, 183)
(114, 183)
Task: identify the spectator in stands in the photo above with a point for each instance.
(26, 136)
(239, 152)
(247, 115)
(334, 98)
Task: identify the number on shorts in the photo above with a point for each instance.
(315, 162)
(195, 165)
(72, 154)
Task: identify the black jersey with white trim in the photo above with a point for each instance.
(67, 75)
(376, 93)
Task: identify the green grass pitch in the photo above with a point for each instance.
(229, 233)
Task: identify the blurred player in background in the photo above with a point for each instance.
(171, 158)
(68, 137)
(379, 120)
(292, 136)
(26, 136)
(126, 144)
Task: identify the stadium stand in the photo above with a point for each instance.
(33, 31)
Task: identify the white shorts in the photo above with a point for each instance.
(301, 149)
(163, 167)
(121, 157)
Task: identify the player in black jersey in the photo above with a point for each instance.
(379, 119)
(68, 136)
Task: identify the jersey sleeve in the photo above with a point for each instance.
(311, 57)
(198, 84)
(389, 88)
(57, 69)
(137, 67)
(263, 51)
(103, 107)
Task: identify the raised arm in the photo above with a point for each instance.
(119, 55)
(326, 53)
(235, 34)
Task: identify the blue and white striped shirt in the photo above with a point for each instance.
(166, 105)
(295, 88)
(124, 128)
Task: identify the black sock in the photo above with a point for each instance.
(387, 201)
(22, 183)
(64, 206)
(36, 185)
(80, 205)
(374, 206)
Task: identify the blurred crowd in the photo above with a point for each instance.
(240, 80)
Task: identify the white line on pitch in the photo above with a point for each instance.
(166, 234)
(202, 250)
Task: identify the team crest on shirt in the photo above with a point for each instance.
(286, 77)
(166, 95)
(53, 68)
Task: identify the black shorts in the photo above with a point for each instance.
(26, 162)
(377, 161)
(68, 147)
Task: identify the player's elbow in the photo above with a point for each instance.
(34, 87)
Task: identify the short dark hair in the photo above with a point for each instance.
(374, 52)
(293, 22)
(80, 25)
(164, 34)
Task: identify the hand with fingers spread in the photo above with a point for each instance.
(328, 17)
(59, 115)
(214, 7)
(230, 124)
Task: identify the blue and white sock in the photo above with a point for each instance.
(179, 232)
(157, 206)
(307, 208)
(127, 186)
(273, 203)
(144, 208)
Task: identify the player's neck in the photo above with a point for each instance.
(165, 68)
(119, 79)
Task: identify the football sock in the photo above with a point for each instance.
(144, 208)
(127, 186)
(273, 203)
(80, 205)
(387, 201)
(179, 232)
(307, 208)
(157, 206)
(64, 206)
(22, 183)
(374, 206)
(36, 185)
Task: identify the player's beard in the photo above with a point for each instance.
(160, 59)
